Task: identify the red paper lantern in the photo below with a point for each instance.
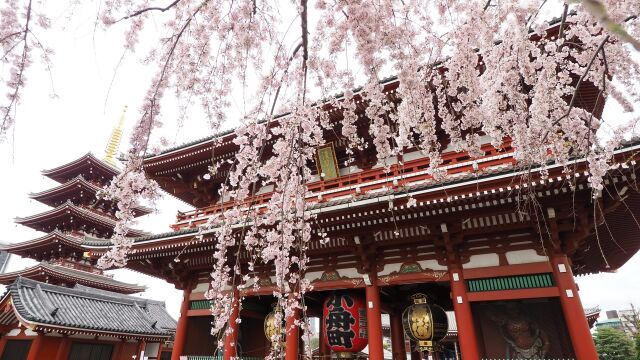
(344, 322)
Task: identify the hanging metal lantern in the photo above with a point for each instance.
(344, 322)
(271, 329)
(425, 323)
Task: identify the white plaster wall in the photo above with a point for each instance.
(152, 349)
(412, 156)
(524, 257)
(482, 260)
(313, 275)
(202, 287)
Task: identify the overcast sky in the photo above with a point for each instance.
(50, 132)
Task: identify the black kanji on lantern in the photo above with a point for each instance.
(339, 322)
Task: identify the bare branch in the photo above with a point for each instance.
(584, 75)
(154, 8)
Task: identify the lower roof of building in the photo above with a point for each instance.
(46, 307)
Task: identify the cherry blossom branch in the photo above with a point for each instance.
(17, 82)
(563, 20)
(580, 80)
(142, 11)
(598, 10)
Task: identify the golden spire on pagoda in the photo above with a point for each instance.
(114, 141)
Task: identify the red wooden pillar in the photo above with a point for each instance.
(3, 343)
(292, 343)
(36, 344)
(231, 337)
(63, 348)
(117, 351)
(160, 346)
(142, 345)
(374, 320)
(181, 328)
(415, 354)
(397, 336)
(323, 347)
(574, 316)
(464, 319)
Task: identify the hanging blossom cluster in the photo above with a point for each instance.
(470, 72)
(20, 21)
(125, 190)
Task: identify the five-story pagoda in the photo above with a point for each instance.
(78, 216)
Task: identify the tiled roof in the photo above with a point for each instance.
(78, 184)
(53, 237)
(91, 242)
(73, 275)
(84, 309)
(68, 207)
(88, 157)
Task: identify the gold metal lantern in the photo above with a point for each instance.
(271, 329)
(425, 323)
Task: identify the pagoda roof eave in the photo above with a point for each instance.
(46, 240)
(85, 185)
(69, 206)
(54, 173)
(73, 275)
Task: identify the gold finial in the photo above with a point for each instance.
(114, 141)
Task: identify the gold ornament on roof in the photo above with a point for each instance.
(114, 141)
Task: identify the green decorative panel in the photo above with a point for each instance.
(510, 282)
(199, 305)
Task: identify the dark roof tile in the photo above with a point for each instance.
(86, 308)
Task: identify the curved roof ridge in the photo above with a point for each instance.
(47, 236)
(81, 275)
(80, 210)
(79, 179)
(89, 155)
(85, 291)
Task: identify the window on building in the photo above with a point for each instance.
(83, 351)
(16, 350)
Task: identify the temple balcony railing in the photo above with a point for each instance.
(376, 179)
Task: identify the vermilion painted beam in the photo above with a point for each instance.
(413, 278)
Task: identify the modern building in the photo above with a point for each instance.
(622, 320)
